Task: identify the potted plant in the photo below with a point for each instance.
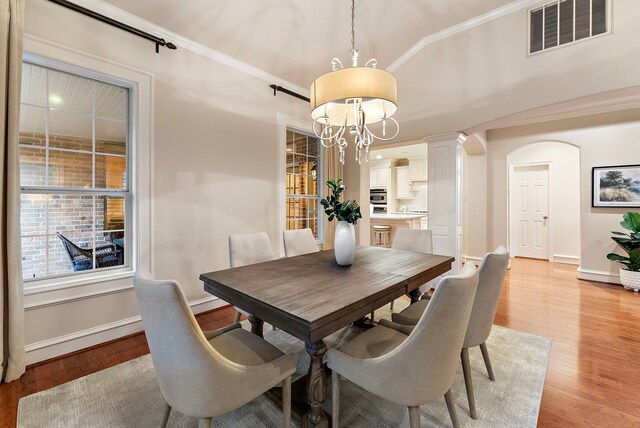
(630, 243)
(347, 213)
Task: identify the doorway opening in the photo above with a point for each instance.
(530, 211)
(544, 202)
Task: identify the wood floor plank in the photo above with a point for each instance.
(592, 379)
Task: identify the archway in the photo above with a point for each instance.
(544, 201)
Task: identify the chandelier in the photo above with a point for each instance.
(353, 99)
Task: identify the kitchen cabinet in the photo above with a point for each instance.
(403, 188)
(418, 169)
(424, 224)
(380, 177)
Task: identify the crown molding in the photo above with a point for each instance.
(459, 28)
(111, 11)
(125, 17)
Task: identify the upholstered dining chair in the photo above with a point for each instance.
(206, 374)
(416, 240)
(493, 268)
(298, 242)
(412, 369)
(249, 249)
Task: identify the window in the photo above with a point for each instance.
(74, 173)
(302, 177)
(566, 21)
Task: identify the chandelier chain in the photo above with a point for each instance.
(353, 25)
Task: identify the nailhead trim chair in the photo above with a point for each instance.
(416, 240)
(299, 242)
(412, 369)
(493, 268)
(249, 249)
(206, 374)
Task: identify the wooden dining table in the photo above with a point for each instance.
(311, 297)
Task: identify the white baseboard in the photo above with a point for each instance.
(473, 259)
(598, 276)
(61, 345)
(568, 260)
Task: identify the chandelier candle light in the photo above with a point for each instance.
(354, 98)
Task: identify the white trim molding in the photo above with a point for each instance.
(598, 276)
(125, 17)
(284, 122)
(459, 28)
(567, 260)
(512, 220)
(181, 41)
(61, 345)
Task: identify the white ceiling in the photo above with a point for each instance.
(461, 65)
(70, 103)
(296, 39)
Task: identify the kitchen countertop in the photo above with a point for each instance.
(408, 216)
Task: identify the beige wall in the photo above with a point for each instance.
(356, 179)
(213, 161)
(483, 74)
(607, 139)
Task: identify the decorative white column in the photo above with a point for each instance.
(445, 194)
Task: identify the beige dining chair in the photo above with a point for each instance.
(416, 240)
(493, 268)
(206, 374)
(248, 249)
(412, 369)
(299, 242)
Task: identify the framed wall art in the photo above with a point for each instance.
(616, 186)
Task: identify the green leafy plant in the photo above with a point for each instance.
(348, 210)
(629, 242)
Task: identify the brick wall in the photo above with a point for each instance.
(69, 215)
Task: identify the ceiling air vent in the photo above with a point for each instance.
(567, 21)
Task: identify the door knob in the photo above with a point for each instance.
(545, 217)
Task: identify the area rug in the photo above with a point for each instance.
(128, 395)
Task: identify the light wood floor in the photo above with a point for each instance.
(594, 371)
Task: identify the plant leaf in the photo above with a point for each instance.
(631, 221)
(617, 257)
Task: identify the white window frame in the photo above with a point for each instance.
(609, 23)
(291, 123)
(126, 194)
(54, 290)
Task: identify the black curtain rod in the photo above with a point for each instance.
(87, 12)
(277, 88)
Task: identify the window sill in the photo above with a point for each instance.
(55, 284)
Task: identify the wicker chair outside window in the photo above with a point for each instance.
(82, 258)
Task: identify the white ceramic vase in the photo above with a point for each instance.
(344, 244)
(630, 279)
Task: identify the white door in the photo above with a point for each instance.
(530, 212)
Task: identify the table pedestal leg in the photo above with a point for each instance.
(316, 388)
(256, 325)
(415, 295)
